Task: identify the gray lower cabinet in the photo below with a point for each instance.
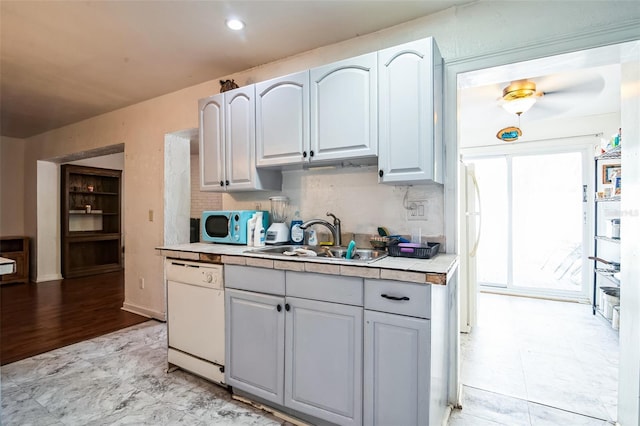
(255, 343)
(396, 369)
(323, 366)
(317, 369)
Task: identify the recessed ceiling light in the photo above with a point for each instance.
(235, 24)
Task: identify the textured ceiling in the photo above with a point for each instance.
(65, 61)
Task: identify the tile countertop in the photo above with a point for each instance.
(7, 266)
(431, 271)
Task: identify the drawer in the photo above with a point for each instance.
(328, 288)
(398, 297)
(261, 280)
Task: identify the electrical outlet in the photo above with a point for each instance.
(417, 210)
(141, 282)
(150, 215)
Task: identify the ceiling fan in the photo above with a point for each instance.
(521, 95)
(560, 92)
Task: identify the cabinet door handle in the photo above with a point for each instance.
(386, 296)
(279, 307)
(380, 173)
(226, 182)
(304, 154)
(221, 183)
(311, 153)
(287, 307)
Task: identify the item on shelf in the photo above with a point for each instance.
(610, 296)
(615, 321)
(88, 208)
(90, 188)
(613, 228)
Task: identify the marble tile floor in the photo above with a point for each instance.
(116, 379)
(540, 355)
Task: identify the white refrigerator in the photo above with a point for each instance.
(470, 222)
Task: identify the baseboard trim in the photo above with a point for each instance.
(145, 312)
(50, 277)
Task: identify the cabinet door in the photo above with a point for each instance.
(410, 120)
(396, 369)
(282, 120)
(254, 343)
(344, 109)
(240, 135)
(212, 150)
(324, 360)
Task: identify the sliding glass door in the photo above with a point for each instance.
(533, 230)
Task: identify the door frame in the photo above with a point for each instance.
(549, 47)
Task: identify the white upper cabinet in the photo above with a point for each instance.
(410, 117)
(344, 110)
(212, 143)
(227, 144)
(282, 120)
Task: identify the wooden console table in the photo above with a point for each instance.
(16, 248)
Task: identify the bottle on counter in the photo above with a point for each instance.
(313, 237)
(296, 234)
(251, 229)
(259, 232)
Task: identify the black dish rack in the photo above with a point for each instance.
(423, 251)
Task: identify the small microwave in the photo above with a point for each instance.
(228, 226)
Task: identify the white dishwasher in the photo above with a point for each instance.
(195, 312)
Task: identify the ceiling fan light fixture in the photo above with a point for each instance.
(520, 105)
(519, 96)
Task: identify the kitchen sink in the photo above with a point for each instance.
(330, 253)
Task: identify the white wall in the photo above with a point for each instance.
(47, 267)
(201, 201)
(110, 161)
(11, 186)
(468, 31)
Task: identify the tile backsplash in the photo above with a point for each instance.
(354, 195)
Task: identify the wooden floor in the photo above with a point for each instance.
(37, 318)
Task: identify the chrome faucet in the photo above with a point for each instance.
(335, 228)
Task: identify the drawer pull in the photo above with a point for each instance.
(386, 296)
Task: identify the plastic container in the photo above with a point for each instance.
(615, 320)
(313, 237)
(610, 298)
(420, 251)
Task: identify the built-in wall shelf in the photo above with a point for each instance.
(606, 250)
(608, 199)
(604, 238)
(607, 273)
(90, 212)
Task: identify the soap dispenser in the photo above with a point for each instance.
(296, 233)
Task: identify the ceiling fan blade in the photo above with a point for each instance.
(583, 86)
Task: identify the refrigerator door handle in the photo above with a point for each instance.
(478, 213)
